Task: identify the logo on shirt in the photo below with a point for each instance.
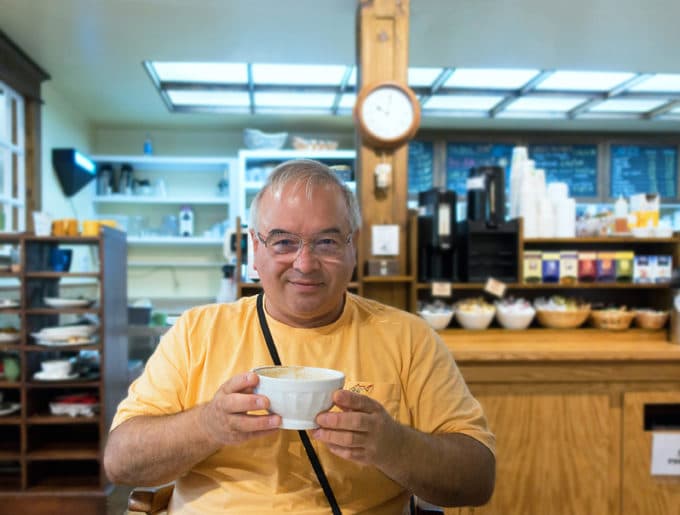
(362, 388)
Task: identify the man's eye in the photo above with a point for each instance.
(327, 242)
(284, 244)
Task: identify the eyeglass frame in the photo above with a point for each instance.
(310, 242)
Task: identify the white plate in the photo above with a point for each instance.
(73, 410)
(61, 343)
(57, 302)
(9, 337)
(62, 332)
(41, 376)
(7, 408)
(8, 303)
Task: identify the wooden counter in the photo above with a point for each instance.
(559, 345)
(572, 411)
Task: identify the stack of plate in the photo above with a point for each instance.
(66, 335)
(63, 302)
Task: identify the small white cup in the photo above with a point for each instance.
(56, 367)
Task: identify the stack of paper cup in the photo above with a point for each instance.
(519, 157)
(565, 215)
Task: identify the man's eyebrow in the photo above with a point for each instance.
(331, 230)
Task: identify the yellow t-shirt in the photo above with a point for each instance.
(388, 354)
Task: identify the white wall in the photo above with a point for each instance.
(65, 126)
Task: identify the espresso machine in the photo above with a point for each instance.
(436, 235)
(487, 242)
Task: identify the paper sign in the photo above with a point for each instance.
(666, 454)
(495, 288)
(441, 289)
(385, 240)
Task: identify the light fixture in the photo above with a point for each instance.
(74, 170)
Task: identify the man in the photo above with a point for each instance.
(405, 422)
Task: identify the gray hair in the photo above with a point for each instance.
(310, 174)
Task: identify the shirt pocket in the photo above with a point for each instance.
(387, 394)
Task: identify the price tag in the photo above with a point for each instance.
(665, 454)
(495, 288)
(441, 289)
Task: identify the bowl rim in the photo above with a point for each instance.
(331, 376)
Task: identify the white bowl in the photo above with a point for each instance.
(479, 319)
(56, 367)
(298, 394)
(438, 320)
(515, 318)
(256, 139)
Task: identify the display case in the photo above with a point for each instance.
(51, 454)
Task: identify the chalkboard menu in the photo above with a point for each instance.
(644, 169)
(574, 164)
(460, 157)
(420, 166)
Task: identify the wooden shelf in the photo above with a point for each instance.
(59, 275)
(388, 278)
(600, 239)
(61, 311)
(64, 451)
(556, 286)
(46, 419)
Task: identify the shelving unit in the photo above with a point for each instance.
(253, 166)
(48, 463)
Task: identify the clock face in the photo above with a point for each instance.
(387, 113)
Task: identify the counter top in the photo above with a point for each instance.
(502, 345)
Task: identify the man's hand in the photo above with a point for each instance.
(225, 418)
(363, 432)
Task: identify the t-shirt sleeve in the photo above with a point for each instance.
(437, 395)
(160, 389)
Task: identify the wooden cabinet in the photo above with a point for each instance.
(645, 413)
(567, 409)
(53, 463)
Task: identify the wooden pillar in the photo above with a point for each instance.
(382, 48)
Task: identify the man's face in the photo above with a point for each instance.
(305, 288)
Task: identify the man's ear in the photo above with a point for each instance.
(256, 244)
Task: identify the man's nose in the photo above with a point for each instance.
(306, 259)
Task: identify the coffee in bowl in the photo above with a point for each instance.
(298, 394)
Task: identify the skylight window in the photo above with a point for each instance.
(545, 104)
(209, 98)
(331, 90)
(298, 74)
(667, 82)
(302, 100)
(583, 81)
(462, 102)
(625, 105)
(489, 78)
(423, 76)
(221, 73)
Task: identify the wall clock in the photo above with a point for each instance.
(387, 114)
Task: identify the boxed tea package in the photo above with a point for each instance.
(663, 268)
(532, 266)
(551, 267)
(568, 266)
(642, 269)
(587, 266)
(606, 269)
(624, 266)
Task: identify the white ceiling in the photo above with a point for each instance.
(93, 49)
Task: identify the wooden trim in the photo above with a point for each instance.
(19, 71)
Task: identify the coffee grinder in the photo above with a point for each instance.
(436, 235)
(487, 242)
(486, 195)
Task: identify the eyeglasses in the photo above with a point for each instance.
(287, 245)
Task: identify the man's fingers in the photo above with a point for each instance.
(241, 383)
(243, 402)
(351, 401)
(254, 423)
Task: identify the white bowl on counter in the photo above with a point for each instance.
(438, 320)
(515, 317)
(475, 320)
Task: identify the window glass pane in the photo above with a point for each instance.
(4, 162)
(420, 166)
(299, 74)
(584, 81)
(224, 73)
(3, 114)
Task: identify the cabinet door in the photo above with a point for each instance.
(554, 451)
(644, 494)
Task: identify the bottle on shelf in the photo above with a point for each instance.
(148, 145)
(227, 291)
(186, 221)
(621, 215)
